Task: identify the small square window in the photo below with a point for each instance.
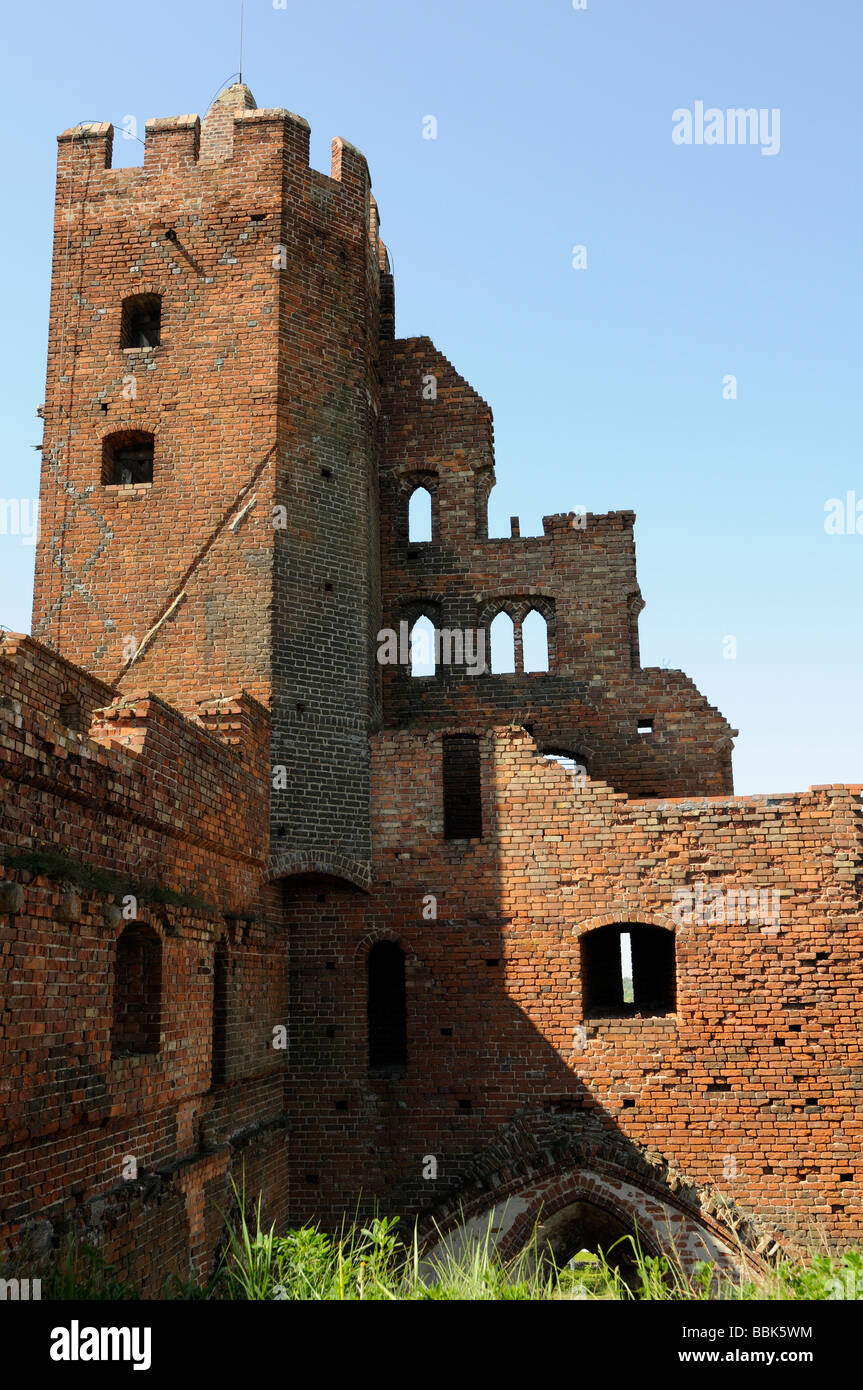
(141, 324)
(645, 726)
(127, 458)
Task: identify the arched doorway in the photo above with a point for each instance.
(586, 1208)
(584, 1232)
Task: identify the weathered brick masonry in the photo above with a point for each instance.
(145, 805)
(218, 803)
(747, 1091)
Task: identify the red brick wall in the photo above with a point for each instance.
(746, 1092)
(113, 558)
(262, 395)
(129, 1148)
(282, 386)
(583, 579)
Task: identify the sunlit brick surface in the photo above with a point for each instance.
(201, 738)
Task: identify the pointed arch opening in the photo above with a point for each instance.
(422, 647)
(420, 515)
(534, 639)
(502, 644)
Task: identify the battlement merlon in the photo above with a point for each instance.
(235, 134)
(563, 524)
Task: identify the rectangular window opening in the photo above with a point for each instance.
(462, 787)
(626, 967)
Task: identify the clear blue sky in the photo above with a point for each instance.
(554, 129)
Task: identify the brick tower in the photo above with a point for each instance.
(209, 479)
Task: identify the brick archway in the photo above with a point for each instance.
(555, 1207)
(542, 1165)
(290, 864)
(622, 915)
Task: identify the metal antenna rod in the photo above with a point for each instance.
(242, 5)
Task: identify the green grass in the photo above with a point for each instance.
(378, 1262)
(373, 1262)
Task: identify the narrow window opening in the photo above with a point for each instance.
(141, 321)
(626, 967)
(220, 1016)
(645, 726)
(502, 639)
(137, 992)
(420, 515)
(534, 639)
(387, 1008)
(462, 787)
(422, 647)
(482, 493)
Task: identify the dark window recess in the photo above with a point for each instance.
(70, 713)
(627, 969)
(462, 787)
(137, 991)
(387, 1007)
(127, 457)
(220, 1016)
(645, 726)
(141, 321)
